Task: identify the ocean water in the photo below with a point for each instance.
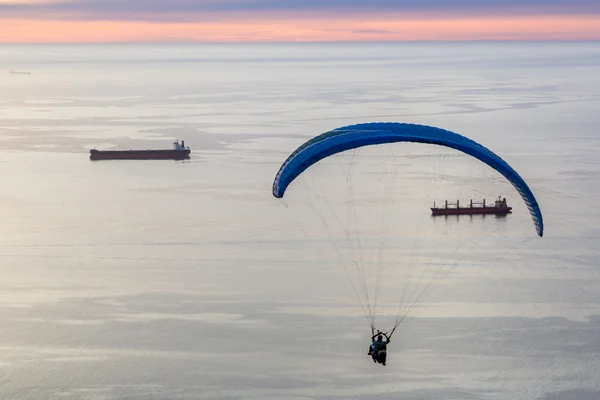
(189, 280)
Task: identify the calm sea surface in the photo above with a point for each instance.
(189, 280)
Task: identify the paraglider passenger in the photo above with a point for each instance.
(378, 349)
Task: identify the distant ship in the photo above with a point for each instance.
(179, 152)
(477, 207)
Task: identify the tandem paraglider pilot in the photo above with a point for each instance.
(378, 348)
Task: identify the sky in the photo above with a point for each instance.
(47, 21)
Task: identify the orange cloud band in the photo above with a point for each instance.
(388, 29)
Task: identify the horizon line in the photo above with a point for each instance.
(141, 42)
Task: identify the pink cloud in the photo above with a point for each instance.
(346, 29)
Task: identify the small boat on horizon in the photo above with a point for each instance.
(475, 207)
(179, 152)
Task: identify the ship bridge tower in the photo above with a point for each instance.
(177, 146)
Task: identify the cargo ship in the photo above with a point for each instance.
(475, 207)
(179, 152)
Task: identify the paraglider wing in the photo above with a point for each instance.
(367, 134)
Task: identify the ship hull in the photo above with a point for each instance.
(139, 154)
(471, 211)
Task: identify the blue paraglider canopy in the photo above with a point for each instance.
(367, 134)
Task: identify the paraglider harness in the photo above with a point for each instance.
(379, 355)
